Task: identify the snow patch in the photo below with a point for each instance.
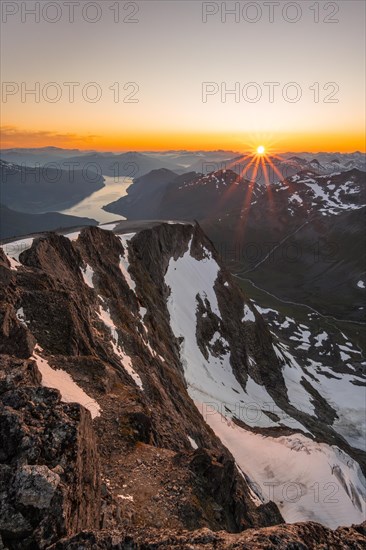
(143, 312)
(111, 226)
(248, 314)
(21, 316)
(265, 310)
(124, 261)
(105, 317)
(62, 381)
(297, 394)
(88, 274)
(320, 338)
(14, 249)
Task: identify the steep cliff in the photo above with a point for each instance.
(127, 362)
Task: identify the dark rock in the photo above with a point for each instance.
(49, 465)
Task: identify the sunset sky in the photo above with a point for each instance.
(170, 52)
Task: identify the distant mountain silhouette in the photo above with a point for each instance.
(38, 190)
(14, 224)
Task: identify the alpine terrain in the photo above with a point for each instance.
(182, 275)
(148, 402)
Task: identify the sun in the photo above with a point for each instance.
(261, 150)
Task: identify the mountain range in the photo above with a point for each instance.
(39, 190)
(13, 224)
(193, 376)
(287, 227)
(39, 155)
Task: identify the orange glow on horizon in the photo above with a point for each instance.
(12, 137)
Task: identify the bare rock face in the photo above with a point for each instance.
(14, 337)
(130, 478)
(298, 536)
(35, 485)
(49, 467)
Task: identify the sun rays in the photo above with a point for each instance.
(259, 167)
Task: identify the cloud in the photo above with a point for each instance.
(12, 136)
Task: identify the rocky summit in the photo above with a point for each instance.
(146, 403)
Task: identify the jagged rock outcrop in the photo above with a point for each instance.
(52, 487)
(300, 536)
(50, 477)
(137, 464)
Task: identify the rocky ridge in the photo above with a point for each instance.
(138, 455)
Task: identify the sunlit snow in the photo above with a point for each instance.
(309, 481)
(62, 381)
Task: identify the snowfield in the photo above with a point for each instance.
(308, 480)
(210, 381)
(326, 195)
(342, 392)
